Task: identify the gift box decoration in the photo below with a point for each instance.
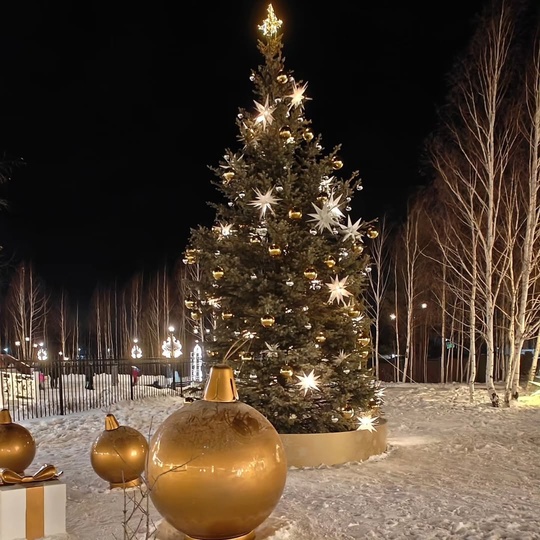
(32, 510)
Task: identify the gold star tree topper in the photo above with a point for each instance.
(271, 24)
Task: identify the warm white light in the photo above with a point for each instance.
(423, 305)
(393, 316)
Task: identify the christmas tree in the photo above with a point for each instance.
(278, 280)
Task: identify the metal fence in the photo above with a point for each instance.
(59, 388)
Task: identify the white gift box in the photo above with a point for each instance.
(32, 510)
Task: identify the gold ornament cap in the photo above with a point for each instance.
(5, 417)
(111, 423)
(220, 385)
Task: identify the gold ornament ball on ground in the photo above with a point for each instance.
(17, 446)
(216, 469)
(118, 455)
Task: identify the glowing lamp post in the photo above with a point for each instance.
(172, 348)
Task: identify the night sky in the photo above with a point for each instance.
(112, 113)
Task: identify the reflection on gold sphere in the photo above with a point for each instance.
(320, 338)
(308, 135)
(310, 273)
(17, 446)
(282, 78)
(216, 469)
(118, 455)
(372, 233)
(337, 164)
(226, 316)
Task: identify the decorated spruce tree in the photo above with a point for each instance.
(278, 279)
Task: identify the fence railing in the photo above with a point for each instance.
(64, 387)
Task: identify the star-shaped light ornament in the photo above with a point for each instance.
(271, 24)
(367, 423)
(271, 349)
(225, 229)
(351, 230)
(339, 358)
(338, 291)
(265, 113)
(308, 382)
(264, 202)
(297, 96)
(334, 204)
(324, 218)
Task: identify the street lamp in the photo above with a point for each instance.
(172, 348)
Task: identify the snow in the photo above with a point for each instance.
(453, 469)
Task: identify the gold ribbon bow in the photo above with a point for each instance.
(46, 472)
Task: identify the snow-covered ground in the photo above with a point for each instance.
(453, 469)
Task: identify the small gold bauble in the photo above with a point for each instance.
(357, 248)
(282, 78)
(195, 315)
(217, 468)
(218, 272)
(372, 233)
(118, 455)
(189, 303)
(285, 132)
(364, 354)
(337, 164)
(308, 135)
(364, 341)
(17, 446)
(310, 273)
(286, 371)
(330, 262)
(274, 250)
(347, 411)
(322, 198)
(320, 338)
(227, 316)
(267, 321)
(294, 213)
(228, 176)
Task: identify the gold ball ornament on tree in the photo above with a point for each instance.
(216, 469)
(118, 455)
(17, 446)
(274, 250)
(218, 272)
(295, 213)
(267, 321)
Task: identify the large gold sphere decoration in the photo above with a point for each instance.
(216, 469)
(17, 446)
(119, 454)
